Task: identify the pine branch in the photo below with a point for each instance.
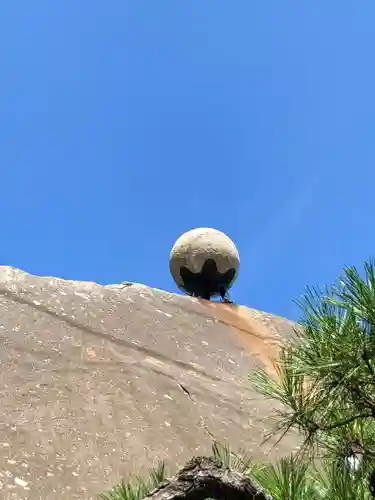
(347, 421)
(366, 359)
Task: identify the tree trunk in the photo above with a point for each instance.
(203, 478)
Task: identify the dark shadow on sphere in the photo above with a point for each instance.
(208, 282)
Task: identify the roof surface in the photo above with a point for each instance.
(101, 382)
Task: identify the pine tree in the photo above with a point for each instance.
(326, 383)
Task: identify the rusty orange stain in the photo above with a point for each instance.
(253, 335)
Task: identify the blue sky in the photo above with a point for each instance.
(126, 123)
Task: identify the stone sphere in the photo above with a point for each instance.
(204, 262)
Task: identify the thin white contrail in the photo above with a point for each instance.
(279, 234)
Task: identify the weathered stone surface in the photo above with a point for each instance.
(195, 247)
(99, 382)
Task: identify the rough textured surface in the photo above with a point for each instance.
(195, 247)
(99, 382)
(203, 478)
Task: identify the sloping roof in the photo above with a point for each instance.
(101, 382)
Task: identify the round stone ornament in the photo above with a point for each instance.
(204, 263)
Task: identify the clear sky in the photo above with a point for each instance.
(124, 124)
